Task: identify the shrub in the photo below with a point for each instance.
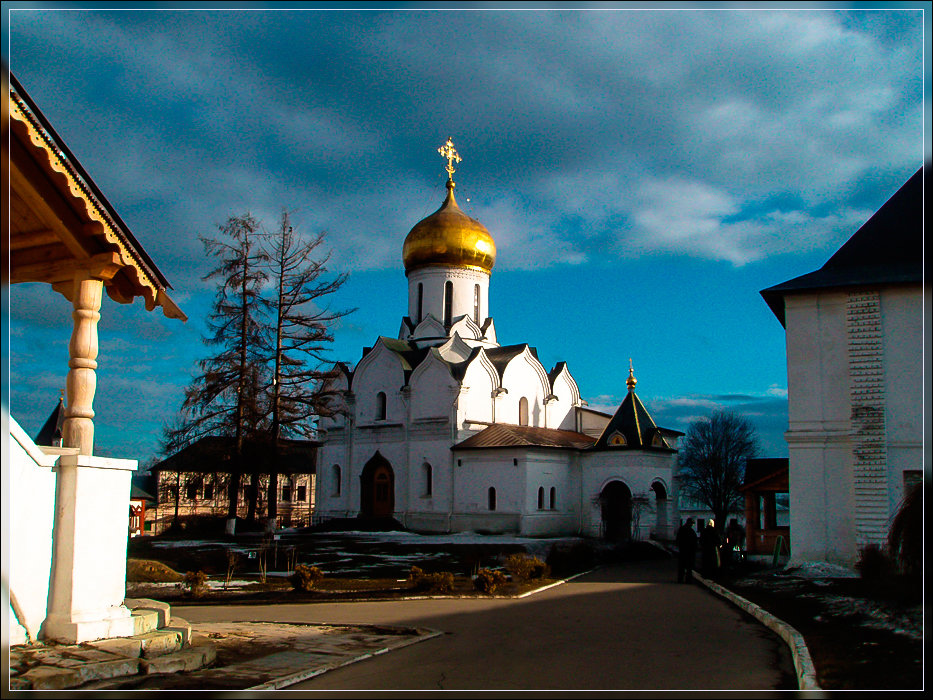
(440, 582)
(196, 583)
(304, 577)
(874, 564)
(525, 567)
(905, 538)
(488, 580)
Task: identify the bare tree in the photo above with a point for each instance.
(226, 397)
(712, 461)
(299, 338)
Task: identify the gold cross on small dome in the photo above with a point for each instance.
(450, 153)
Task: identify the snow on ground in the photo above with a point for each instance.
(818, 569)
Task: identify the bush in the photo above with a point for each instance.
(196, 583)
(874, 565)
(488, 580)
(304, 577)
(440, 582)
(905, 538)
(525, 567)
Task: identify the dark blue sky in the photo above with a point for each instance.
(644, 172)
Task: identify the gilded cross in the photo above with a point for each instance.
(450, 153)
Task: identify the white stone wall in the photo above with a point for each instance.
(855, 415)
(434, 278)
(68, 564)
(30, 522)
(638, 471)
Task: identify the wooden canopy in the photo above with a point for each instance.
(61, 225)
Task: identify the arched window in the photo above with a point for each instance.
(335, 472)
(553, 503)
(540, 498)
(491, 496)
(448, 302)
(523, 411)
(476, 303)
(428, 479)
(381, 406)
(420, 302)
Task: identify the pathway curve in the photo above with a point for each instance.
(628, 626)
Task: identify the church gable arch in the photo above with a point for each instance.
(466, 328)
(524, 377)
(379, 372)
(334, 393)
(429, 327)
(433, 388)
(480, 381)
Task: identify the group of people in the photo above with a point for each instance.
(716, 550)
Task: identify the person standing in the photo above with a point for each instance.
(709, 550)
(686, 551)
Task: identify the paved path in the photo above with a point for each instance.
(624, 627)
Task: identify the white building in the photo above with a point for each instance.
(446, 430)
(855, 383)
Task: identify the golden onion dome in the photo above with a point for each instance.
(449, 237)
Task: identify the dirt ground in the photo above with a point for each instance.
(860, 636)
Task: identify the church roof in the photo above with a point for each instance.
(507, 435)
(501, 356)
(633, 428)
(887, 249)
(51, 431)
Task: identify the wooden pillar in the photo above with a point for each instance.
(81, 384)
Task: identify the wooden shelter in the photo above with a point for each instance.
(764, 479)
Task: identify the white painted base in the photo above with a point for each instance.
(116, 621)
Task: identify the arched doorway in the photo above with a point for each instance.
(616, 505)
(377, 488)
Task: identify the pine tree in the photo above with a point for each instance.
(298, 339)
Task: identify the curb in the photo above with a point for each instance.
(803, 664)
(297, 677)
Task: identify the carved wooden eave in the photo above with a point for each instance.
(61, 225)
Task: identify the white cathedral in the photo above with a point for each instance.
(445, 430)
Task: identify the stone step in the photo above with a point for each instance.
(148, 614)
(199, 653)
(148, 644)
(145, 620)
(100, 670)
(62, 678)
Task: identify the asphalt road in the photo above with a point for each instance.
(625, 627)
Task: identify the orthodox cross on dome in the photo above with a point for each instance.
(631, 381)
(448, 152)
